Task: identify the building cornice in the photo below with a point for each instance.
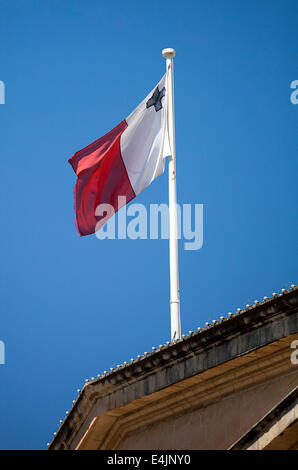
(242, 332)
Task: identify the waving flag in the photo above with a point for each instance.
(115, 168)
(123, 162)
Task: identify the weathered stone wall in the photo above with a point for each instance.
(216, 426)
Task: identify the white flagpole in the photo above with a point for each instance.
(169, 54)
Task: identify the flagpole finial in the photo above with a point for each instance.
(168, 53)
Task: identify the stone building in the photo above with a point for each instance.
(231, 385)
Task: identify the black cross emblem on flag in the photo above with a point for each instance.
(155, 99)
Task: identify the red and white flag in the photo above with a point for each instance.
(123, 162)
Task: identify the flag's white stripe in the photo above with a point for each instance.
(144, 143)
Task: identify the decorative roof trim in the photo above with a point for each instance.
(202, 338)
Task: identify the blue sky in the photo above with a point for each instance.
(73, 307)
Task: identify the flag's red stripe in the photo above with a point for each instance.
(102, 177)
